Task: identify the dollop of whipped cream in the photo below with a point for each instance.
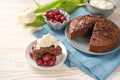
(47, 41)
(102, 4)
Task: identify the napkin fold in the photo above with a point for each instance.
(98, 67)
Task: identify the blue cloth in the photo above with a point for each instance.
(98, 67)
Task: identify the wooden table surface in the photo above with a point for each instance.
(13, 41)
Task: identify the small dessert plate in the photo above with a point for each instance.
(60, 59)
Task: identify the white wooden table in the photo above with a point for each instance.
(13, 41)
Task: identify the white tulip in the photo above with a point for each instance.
(26, 17)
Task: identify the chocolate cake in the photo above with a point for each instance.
(104, 33)
(48, 44)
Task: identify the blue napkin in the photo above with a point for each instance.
(98, 67)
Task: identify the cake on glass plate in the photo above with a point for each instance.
(104, 34)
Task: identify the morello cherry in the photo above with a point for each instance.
(56, 12)
(54, 21)
(46, 57)
(63, 18)
(39, 61)
(33, 47)
(45, 63)
(59, 17)
(46, 14)
(53, 57)
(48, 19)
(56, 17)
(31, 54)
(50, 15)
(62, 14)
(52, 63)
(51, 19)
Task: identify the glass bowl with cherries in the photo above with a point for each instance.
(56, 18)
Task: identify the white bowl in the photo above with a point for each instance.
(60, 59)
(97, 11)
(57, 25)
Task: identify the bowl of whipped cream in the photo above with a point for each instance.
(100, 7)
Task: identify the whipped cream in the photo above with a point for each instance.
(26, 17)
(102, 4)
(47, 41)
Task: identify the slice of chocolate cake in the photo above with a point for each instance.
(47, 44)
(80, 26)
(104, 36)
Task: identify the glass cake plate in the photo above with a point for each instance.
(82, 44)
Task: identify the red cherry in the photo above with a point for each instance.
(50, 15)
(48, 19)
(63, 18)
(56, 17)
(51, 19)
(46, 57)
(31, 54)
(45, 63)
(56, 12)
(52, 63)
(39, 61)
(33, 47)
(53, 57)
(46, 14)
(54, 21)
(59, 17)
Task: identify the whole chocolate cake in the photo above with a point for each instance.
(104, 33)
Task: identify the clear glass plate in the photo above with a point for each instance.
(82, 44)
